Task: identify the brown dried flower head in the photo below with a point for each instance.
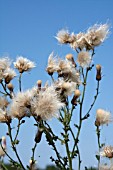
(10, 87)
(70, 58)
(77, 93)
(99, 74)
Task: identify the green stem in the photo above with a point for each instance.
(60, 164)
(52, 79)
(3, 93)
(95, 98)
(99, 144)
(66, 142)
(33, 155)
(12, 160)
(20, 82)
(80, 115)
(3, 166)
(18, 128)
(71, 113)
(4, 87)
(34, 148)
(13, 146)
(79, 159)
(68, 154)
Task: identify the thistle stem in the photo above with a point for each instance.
(76, 140)
(3, 166)
(4, 87)
(95, 98)
(79, 159)
(66, 128)
(18, 128)
(33, 155)
(13, 146)
(7, 155)
(20, 82)
(99, 144)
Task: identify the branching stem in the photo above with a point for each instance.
(13, 146)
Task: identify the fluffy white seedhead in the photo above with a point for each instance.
(52, 64)
(97, 34)
(23, 64)
(21, 104)
(63, 36)
(107, 152)
(67, 87)
(2, 116)
(64, 66)
(47, 104)
(79, 41)
(3, 103)
(68, 71)
(8, 75)
(105, 167)
(103, 117)
(5, 62)
(84, 59)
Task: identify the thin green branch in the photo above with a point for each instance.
(79, 159)
(12, 160)
(13, 146)
(18, 128)
(76, 140)
(33, 149)
(51, 142)
(66, 128)
(5, 89)
(3, 93)
(33, 155)
(52, 78)
(20, 82)
(3, 166)
(95, 98)
(99, 144)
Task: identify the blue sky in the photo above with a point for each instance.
(28, 28)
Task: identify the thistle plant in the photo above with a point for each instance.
(60, 98)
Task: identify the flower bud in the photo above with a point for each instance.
(75, 97)
(39, 83)
(77, 93)
(10, 87)
(70, 58)
(32, 164)
(38, 135)
(4, 142)
(98, 75)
